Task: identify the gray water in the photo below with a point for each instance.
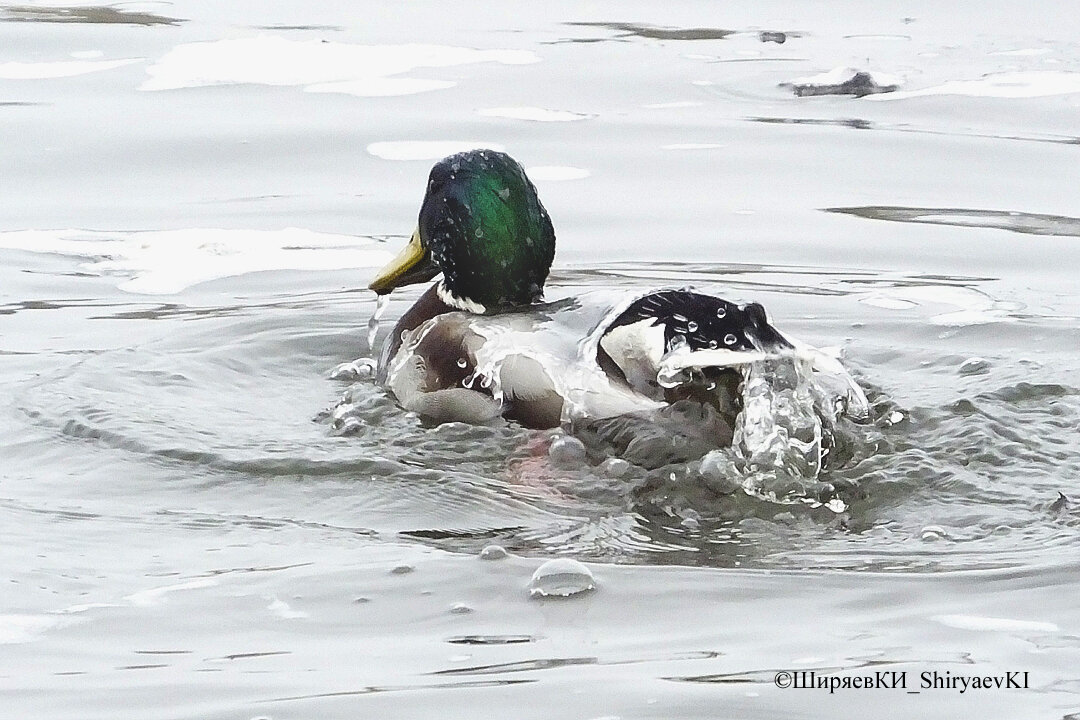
(183, 531)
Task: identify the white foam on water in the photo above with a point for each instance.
(19, 628)
(168, 261)
(993, 624)
(888, 303)
(59, 69)
(381, 87)
(427, 149)
(671, 105)
(535, 114)
(155, 596)
(366, 70)
(1024, 52)
(693, 146)
(283, 610)
(972, 306)
(555, 173)
(1011, 85)
(87, 54)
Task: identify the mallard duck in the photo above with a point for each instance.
(480, 343)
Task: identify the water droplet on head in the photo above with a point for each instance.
(504, 193)
(692, 326)
(730, 339)
(713, 344)
(479, 232)
(462, 363)
(561, 577)
(721, 312)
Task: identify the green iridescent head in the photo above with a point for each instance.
(483, 227)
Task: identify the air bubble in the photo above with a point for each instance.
(561, 577)
(493, 552)
(614, 468)
(933, 533)
(567, 452)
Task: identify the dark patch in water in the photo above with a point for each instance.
(655, 33)
(1020, 222)
(98, 14)
(520, 666)
(491, 639)
(860, 124)
(460, 534)
(324, 28)
(853, 123)
(859, 84)
(371, 689)
(1061, 504)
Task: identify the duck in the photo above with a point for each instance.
(482, 344)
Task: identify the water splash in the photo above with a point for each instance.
(381, 303)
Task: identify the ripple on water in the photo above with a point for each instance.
(977, 471)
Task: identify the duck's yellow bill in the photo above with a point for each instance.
(412, 265)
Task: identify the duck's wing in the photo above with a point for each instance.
(679, 329)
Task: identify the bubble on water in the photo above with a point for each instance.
(402, 570)
(567, 452)
(974, 366)
(933, 533)
(493, 552)
(350, 426)
(460, 609)
(561, 577)
(359, 369)
(614, 468)
(730, 339)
